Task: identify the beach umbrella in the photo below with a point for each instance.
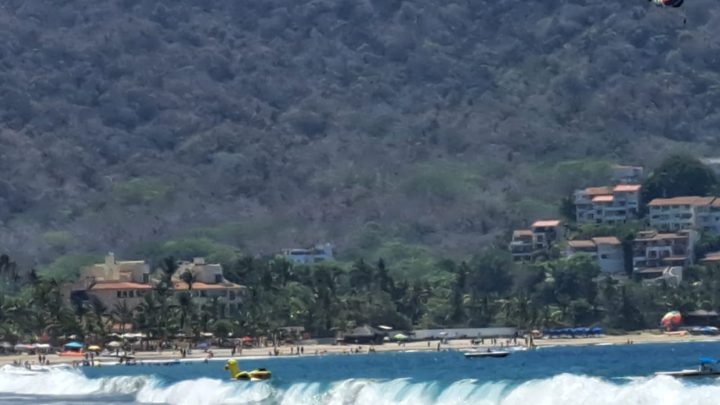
(20, 347)
(6, 345)
(74, 345)
(400, 336)
(94, 348)
(114, 345)
(671, 320)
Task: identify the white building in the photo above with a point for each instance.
(652, 249)
(317, 254)
(691, 212)
(207, 283)
(112, 282)
(528, 243)
(670, 275)
(607, 251)
(708, 217)
(607, 205)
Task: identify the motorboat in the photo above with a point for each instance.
(487, 353)
(258, 374)
(707, 368)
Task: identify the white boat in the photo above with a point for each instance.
(488, 353)
(690, 373)
(706, 368)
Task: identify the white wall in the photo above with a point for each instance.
(611, 258)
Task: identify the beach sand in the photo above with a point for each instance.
(310, 350)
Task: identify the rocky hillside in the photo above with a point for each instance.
(263, 124)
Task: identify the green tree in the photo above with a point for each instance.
(122, 315)
(679, 175)
(189, 278)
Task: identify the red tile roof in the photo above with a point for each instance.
(606, 240)
(181, 285)
(675, 258)
(594, 191)
(118, 285)
(660, 236)
(713, 257)
(551, 223)
(522, 232)
(688, 200)
(581, 244)
(627, 188)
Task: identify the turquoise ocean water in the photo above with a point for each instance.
(557, 376)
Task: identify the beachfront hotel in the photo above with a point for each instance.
(207, 282)
(116, 282)
(112, 282)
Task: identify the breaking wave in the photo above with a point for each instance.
(559, 390)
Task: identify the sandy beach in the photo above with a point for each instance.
(321, 349)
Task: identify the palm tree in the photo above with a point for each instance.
(122, 314)
(151, 313)
(169, 267)
(92, 316)
(189, 278)
(185, 308)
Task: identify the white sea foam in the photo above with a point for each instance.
(64, 382)
(559, 390)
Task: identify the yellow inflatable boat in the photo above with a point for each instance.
(257, 374)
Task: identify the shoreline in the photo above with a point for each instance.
(220, 354)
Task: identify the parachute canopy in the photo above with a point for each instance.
(668, 3)
(671, 320)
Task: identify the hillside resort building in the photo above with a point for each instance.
(526, 244)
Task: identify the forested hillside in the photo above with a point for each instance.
(380, 125)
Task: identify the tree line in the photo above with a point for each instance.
(489, 289)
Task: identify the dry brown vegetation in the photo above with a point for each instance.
(278, 122)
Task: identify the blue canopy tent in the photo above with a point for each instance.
(74, 345)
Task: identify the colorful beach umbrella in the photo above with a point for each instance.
(94, 348)
(74, 345)
(671, 319)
